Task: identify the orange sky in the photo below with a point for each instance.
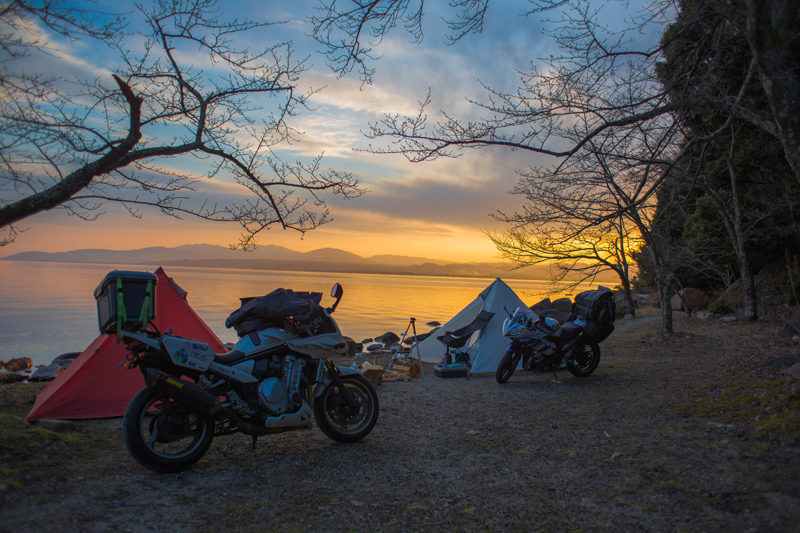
(439, 209)
(365, 238)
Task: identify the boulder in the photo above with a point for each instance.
(18, 364)
(794, 371)
(12, 377)
(45, 372)
(560, 309)
(388, 338)
(71, 356)
(562, 305)
(540, 307)
(792, 327)
(49, 372)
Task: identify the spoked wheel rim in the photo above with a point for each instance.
(349, 410)
(170, 431)
(584, 360)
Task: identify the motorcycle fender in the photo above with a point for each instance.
(323, 380)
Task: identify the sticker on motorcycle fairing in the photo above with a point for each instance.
(189, 353)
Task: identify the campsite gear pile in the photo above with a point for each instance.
(267, 384)
(544, 343)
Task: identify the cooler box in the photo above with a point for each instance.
(125, 300)
(451, 371)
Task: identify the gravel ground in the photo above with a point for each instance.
(694, 434)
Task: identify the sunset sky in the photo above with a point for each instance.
(438, 210)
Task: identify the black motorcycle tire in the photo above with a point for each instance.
(145, 414)
(348, 415)
(508, 363)
(587, 360)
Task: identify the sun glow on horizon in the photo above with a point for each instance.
(378, 236)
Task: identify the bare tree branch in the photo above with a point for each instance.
(190, 84)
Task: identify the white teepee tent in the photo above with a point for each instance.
(488, 344)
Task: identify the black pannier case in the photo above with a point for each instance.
(125, 300)
(599, 310)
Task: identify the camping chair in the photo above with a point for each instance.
(456, 340)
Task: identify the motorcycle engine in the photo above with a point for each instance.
(272, 396)
(279, 395)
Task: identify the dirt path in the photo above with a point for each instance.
(663, 436)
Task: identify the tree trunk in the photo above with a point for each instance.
(771, 30)
(665, 286)
(750, 298)
(627, 295)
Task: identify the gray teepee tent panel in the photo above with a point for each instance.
(490, 344)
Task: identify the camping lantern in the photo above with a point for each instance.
(125, 300)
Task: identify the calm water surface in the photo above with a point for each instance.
(47, 309)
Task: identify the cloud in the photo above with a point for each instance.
(349, 94)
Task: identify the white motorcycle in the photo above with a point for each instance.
(280, 376)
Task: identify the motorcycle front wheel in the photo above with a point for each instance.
(584, 360)
(163, 435)
(349, 414)
(507, 365)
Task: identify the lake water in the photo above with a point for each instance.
(47, 309)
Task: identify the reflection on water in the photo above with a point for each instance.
(47, 309)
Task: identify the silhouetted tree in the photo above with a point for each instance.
(188, 83)
(598, 106)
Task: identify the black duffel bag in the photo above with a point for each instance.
(273, 309)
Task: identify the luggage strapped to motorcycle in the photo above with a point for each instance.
(280, 308)
(598, 309)
(596, 305)
(122, 315)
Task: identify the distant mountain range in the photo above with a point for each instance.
(274, 257)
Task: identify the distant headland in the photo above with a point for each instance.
(273, 257)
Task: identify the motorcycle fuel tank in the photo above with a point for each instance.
(319, 346)
(267, 338)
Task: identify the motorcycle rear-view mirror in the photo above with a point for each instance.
(336, 292)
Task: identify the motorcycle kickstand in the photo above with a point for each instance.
(555, 376)
(255, 438)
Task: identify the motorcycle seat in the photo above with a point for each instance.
(230, 357)
(568, 330)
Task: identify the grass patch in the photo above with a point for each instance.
(771, 409)
(22, 447)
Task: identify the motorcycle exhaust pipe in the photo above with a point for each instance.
(189, 394)
(197, 400)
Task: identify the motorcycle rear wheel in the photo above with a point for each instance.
(347, 415)
(508, 363)
(163, 435)
(584, 361)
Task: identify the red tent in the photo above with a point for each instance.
(95, 386)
